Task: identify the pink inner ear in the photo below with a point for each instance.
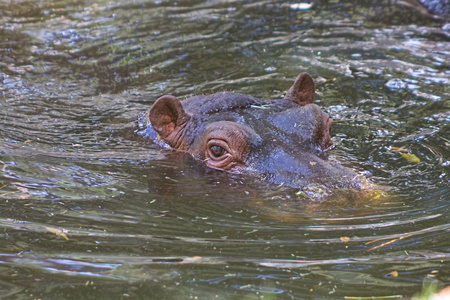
(167, 124)
(302, 91)
(166, 115)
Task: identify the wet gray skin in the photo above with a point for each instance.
(281, 141)
(438, 7)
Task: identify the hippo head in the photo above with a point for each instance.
(281, 141)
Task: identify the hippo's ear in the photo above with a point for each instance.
(302, 91)
(167, 116)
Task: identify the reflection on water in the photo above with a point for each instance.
(89, 210)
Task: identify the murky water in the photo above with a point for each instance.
(89, 211)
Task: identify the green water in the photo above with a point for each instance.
(90, 211)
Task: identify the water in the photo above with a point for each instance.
(90, 211)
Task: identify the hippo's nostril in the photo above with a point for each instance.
(360, 182)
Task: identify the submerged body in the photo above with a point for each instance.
(281, 141)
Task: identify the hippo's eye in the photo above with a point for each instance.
(216, 151)
(219, 154)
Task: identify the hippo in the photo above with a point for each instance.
(284, 141)
(438, 7)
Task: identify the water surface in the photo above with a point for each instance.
(90, 211)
